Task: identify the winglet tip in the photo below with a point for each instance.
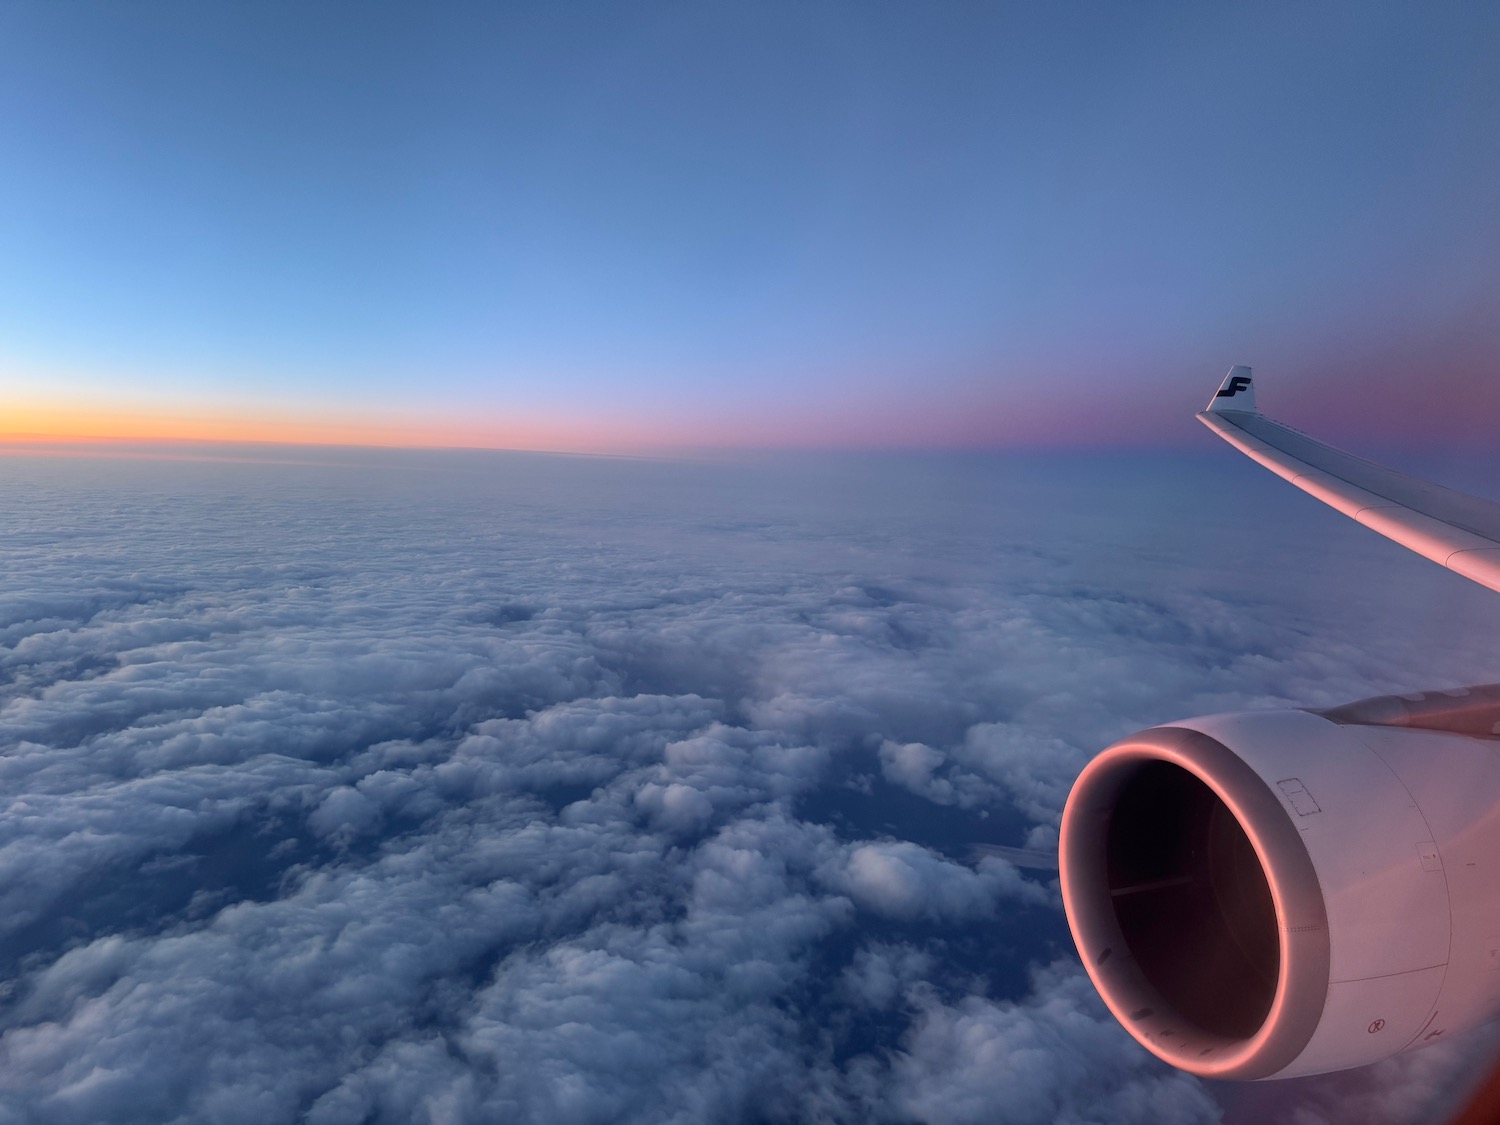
(1236, 393)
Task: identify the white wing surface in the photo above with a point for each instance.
(1462, 532)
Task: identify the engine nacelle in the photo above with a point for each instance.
(1274, 894)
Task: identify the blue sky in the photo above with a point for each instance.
(690, 224)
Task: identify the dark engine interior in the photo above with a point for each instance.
(1192, 900)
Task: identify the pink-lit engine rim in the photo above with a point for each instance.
(1301, 915)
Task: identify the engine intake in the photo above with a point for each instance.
(1182, 875)
(1269, 894)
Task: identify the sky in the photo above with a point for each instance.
(686, 226)
(439, 788)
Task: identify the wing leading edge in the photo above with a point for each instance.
(1459, 531)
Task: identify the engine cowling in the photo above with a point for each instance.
(1274, 894)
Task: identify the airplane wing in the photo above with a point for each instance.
(1460, 531)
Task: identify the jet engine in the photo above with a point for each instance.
(1273, 894)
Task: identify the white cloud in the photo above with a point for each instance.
(1056, 1056)
(467, 794)
(344, 812)
(911, 765)
(902, 880)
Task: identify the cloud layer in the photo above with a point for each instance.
(581, 791)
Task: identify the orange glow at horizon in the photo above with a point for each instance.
(42, 425)
(977, 419)
(812, 426)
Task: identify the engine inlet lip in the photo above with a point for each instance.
(1301, 914)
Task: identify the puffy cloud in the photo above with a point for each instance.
(1056, 1056)
(902, 880)
(553, 789)
(344, 812)
(911, 765)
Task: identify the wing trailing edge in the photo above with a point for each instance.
(1459, 531)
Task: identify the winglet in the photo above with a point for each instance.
(1236, 394)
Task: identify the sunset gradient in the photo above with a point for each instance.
(610, 228)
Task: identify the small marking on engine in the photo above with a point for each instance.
(1142, 1013)
(1427, 855)
(1376, 1026)
(1298, 797)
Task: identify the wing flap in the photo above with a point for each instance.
(1459, 531)
(1482, 566)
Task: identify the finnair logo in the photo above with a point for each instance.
(1234, 386)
